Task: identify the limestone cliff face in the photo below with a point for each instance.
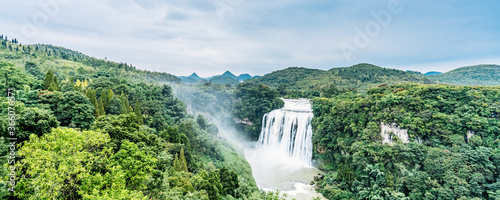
(389, 131)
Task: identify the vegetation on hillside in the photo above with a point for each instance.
(67, 63)
(360, 77)
(253, 101)
(446, 165)
(94, 129)
(471, 75)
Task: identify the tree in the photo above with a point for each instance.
(51, 83)
(33, 69)
(180, 163)
(75, 110)
(214, 188)
(202, 122)
(100, 109)
(125, 104)
(93, 99)
(166, 91)
(35, 121)
(56, 163)
(105, 98)
(137, 165)
(229, 181)
(137, 111)
(115, 106)
(12, 77)
(282, 89)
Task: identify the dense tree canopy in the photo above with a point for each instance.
(253, 101)
(446, 164)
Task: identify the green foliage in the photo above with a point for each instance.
(253, 101)
(444, 166)
(91, 94)
(56, 163)
(125, 104)
(136, 164)
(471, 75)
(360, 77)
(229, 181)
(129, 154)
(51, 82)
(137, 111)
(33, 69)
(115, 106)
(75, 110)
(12, 77)
(271, 195)
(180, 163)
(35, 121)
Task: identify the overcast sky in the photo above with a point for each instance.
(261, 36)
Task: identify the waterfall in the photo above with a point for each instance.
(289, 130)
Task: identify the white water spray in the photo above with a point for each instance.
(289, 130)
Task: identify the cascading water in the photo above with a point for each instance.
(289, 130)
(281, 159)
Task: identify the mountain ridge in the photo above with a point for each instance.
(360, 77)
(225, 78)
(482, 74)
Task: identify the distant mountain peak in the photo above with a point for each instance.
(228, 73)
(194, 75)
(243, 77)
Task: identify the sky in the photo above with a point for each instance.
(260, 36)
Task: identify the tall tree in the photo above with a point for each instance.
(101, 108)
(93, 99)
(180, 163)
(105, 97)
(115, 106)
(125, 104)
(48, 81)
(137, 111)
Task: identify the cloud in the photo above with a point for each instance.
(257, 37)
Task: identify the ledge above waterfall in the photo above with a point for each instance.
(297, 105)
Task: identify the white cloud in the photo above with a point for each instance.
(257, 37)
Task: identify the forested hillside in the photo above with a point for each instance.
(93, 129)
(471, 75)
(360, 77)
(67, 63)
(453, 150)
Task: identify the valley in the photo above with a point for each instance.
(108, 130)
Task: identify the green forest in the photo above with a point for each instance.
(359, 77)
(77, 127)
(471, 75)
(446, 164)
(87, 128)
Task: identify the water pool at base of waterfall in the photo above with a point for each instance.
(274, 172)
